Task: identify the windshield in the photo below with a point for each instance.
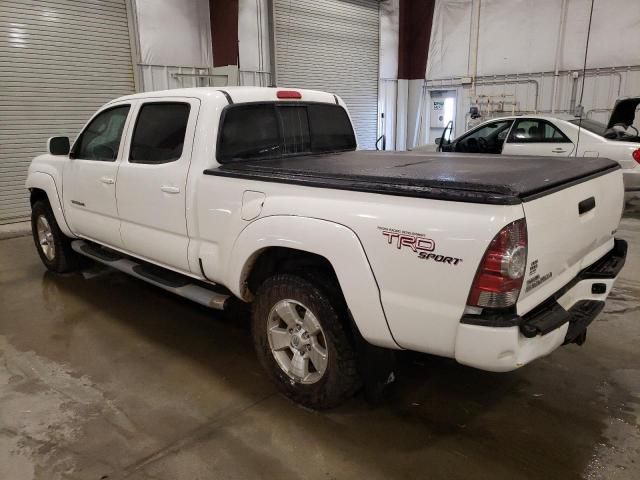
(591, 125)
(270, 130)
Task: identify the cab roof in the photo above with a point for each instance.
(546, 116)
(237, 94)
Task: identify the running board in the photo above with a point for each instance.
(166, 279)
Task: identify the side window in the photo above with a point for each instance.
(493, 129)
(552, 134)
(158, 136)
(486, 139)
(101, 139)
(536, 131)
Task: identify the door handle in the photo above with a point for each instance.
(107, 180)
(169, 189)
(586, 205)
(559, 150)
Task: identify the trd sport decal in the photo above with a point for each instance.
(417, 243)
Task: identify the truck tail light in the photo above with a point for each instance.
(289, 94)
(500, 274)
(636, 155)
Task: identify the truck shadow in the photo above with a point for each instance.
(436, 407)
(632, 208)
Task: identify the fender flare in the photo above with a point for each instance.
(335, 242)
(44, 181)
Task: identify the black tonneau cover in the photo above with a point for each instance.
(493, 179)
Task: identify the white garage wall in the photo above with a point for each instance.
(173, 43)
(174, 32)
(388, 87)
(520, 36)
(253, 43)
(450, 39)
(516, 55)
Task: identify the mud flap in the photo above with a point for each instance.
(378, 369)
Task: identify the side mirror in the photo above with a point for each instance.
(438, 141)
(58, 146)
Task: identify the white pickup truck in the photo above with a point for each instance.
(260, 193)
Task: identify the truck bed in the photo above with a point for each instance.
(488, 179)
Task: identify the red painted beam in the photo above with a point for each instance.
(224, 32)
(416, 18)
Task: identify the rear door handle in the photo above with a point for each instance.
(559, 150)
(107, 180)
(169, 189)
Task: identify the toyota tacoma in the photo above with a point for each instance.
(261, 194)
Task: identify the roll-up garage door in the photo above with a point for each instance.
(332, 45)
(59, 61)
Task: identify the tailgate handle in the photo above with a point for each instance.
(586, 205)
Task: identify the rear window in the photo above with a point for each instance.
(158, 136)
(592, 125)
(271, 130)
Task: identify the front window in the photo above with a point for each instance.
(270, 130)
(101, 139)
(488, 138)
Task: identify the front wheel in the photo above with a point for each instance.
(303, 342)
(53, 246)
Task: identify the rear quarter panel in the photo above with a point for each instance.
(423, 292)
(621, 152)
(407, 242)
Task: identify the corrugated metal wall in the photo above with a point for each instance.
(59, 61)
(332, 45)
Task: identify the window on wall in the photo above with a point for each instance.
(269, 130)
(536, 131)
(101, 139)
(158, 136)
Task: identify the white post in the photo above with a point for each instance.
(563, 15)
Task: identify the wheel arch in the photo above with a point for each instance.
(42, 186)
(274, 243)
(271, 260)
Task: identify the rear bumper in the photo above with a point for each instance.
(505, 341)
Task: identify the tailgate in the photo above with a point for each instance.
(568, 230)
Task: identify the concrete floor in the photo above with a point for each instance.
(108, 378)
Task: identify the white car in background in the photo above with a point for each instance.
(546, 135)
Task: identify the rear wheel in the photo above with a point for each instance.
(53, 246)
(302, 341)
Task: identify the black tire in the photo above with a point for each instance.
(64, 259)
(341, 378)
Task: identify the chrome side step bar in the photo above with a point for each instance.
(165, 279)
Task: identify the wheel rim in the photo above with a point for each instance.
(45, 238)
(297, 341)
